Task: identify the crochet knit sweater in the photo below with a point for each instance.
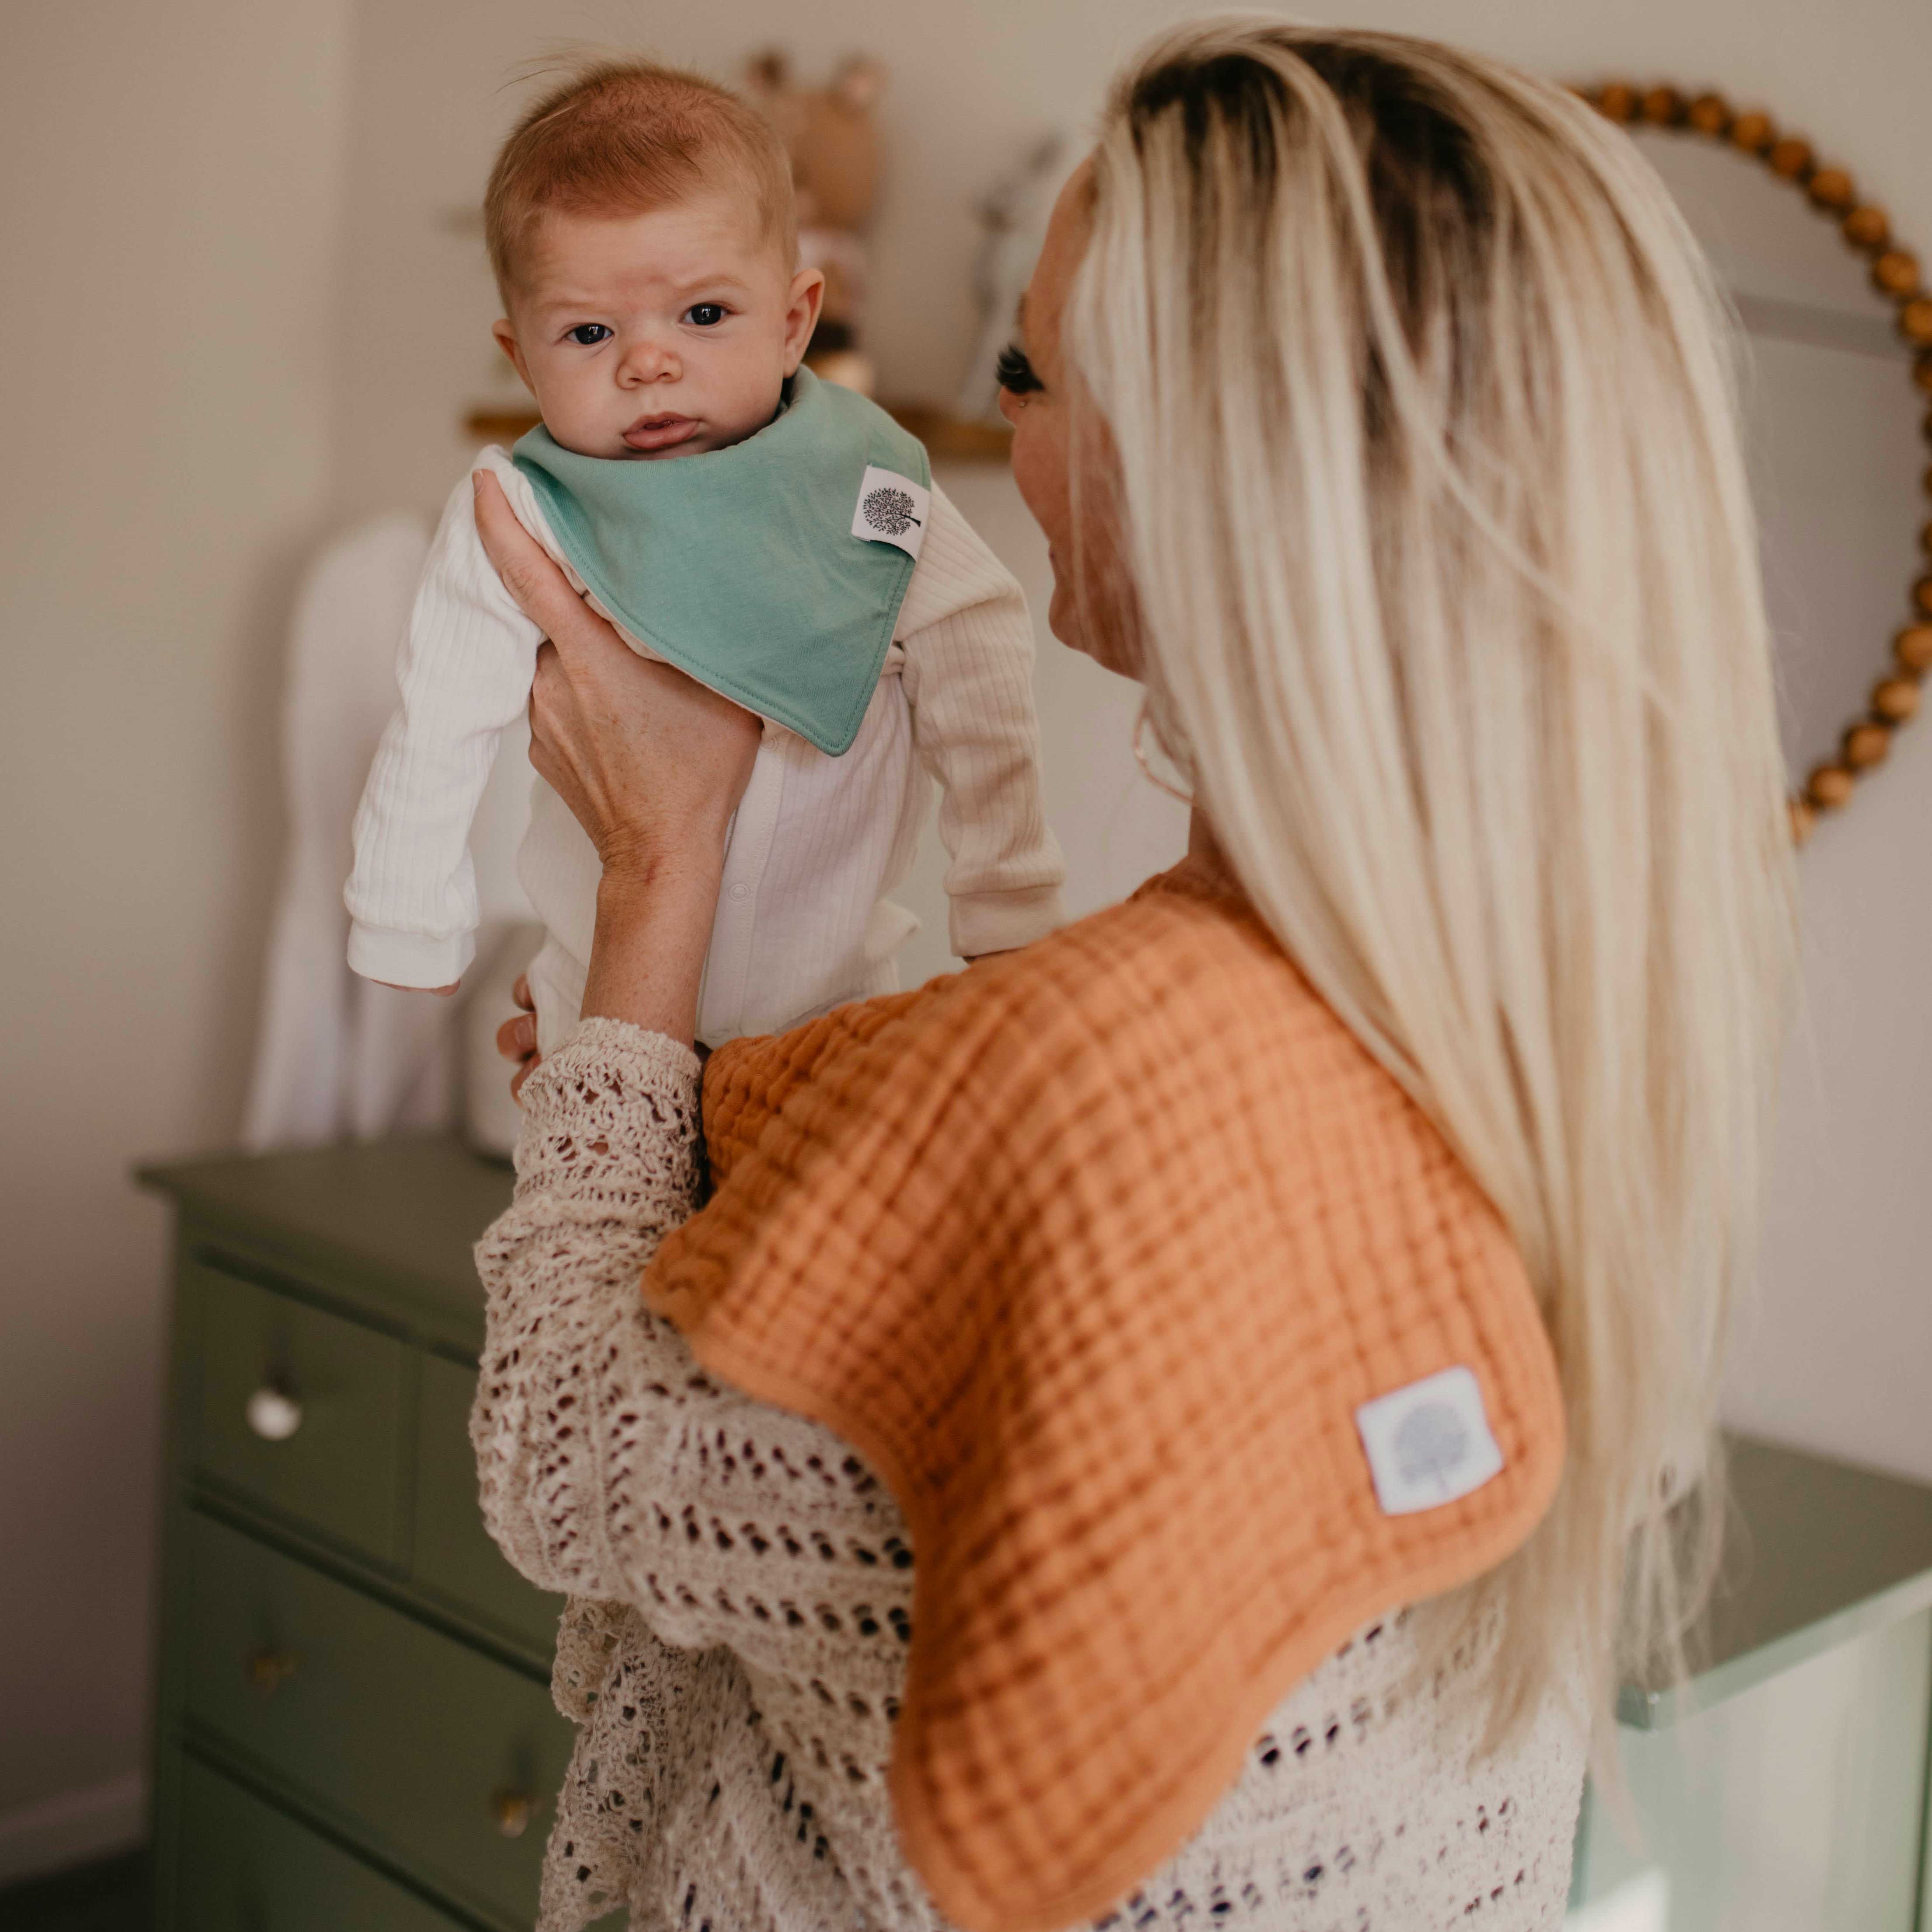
(735, 1646)
(1172, 1324)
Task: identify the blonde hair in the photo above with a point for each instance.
(626, 136)
(1429, 489)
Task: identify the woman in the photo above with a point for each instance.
(1374, 402)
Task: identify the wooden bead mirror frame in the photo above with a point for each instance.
(1895, 274)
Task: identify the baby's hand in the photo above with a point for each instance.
(441, 992)
(516, 1038)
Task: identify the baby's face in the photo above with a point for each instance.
(668, 333)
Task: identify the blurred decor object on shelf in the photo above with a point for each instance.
(1013, 221)
(832, 136)
(1826, 318)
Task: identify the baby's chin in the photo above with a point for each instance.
(696, 446)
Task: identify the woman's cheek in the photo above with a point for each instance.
(1063, 613)
(1039, 473)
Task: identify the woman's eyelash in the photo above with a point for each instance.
(1015, 373)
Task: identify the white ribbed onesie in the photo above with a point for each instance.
(804, 921)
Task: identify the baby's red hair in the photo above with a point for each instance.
(623, 137)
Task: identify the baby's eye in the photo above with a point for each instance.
(590, 334)
(705, 315)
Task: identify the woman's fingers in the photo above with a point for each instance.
(542, 590)
(528, 574)
(542, 706)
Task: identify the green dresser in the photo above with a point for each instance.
(355, 1733)
(355, 1727)
(1786, 1788)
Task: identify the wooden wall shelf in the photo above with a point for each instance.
(947, 438)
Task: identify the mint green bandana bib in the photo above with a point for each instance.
(773, 570)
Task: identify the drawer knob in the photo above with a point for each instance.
(269, 1670)
(273, 1412)
(511, 1811)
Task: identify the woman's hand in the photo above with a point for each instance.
(652, 764)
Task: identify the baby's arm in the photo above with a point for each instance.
(465, 670)
(968, 642)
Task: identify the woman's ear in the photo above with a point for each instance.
(506, 340)
(808, 293)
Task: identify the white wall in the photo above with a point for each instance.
(197, 383)
(167, 309)
(1840, 1355)
(970, 84)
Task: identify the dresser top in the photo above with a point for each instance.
(1817, 1552)
(390, 1224)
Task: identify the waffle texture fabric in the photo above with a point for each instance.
(742, 1589)
(1093, 1253)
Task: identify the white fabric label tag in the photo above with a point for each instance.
(891, 508)
(1429, 1443)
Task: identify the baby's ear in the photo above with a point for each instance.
(505, 337)
(807, 296)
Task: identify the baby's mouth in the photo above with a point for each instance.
(661, 432)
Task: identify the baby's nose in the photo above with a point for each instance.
(649, 362)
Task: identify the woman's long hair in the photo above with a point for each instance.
(1429, 489)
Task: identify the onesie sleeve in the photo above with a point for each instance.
(464, 669)
(968, 644)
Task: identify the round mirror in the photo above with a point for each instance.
(1839, 374)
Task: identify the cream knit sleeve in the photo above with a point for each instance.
(464, 669)
(594, 1428)
(968, 644)
(607, 1166)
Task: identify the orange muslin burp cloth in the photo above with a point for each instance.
(1095, 1252)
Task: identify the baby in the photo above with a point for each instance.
(777, 537)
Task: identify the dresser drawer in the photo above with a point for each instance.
(421, 1746)
(454, 1553)
(245, 1866)
(300, 1410)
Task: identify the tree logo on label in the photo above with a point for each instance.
(1431, 1444)
(889, 510)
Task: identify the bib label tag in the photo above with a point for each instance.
(1428, 1444)
(891, 508)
